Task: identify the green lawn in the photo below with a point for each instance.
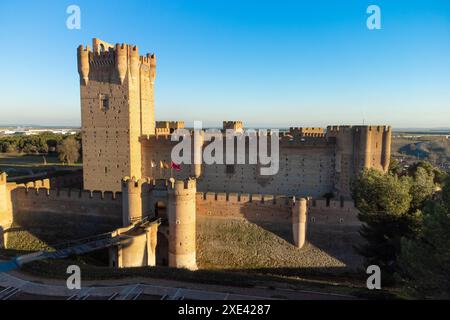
(30, 160)
(23, 165)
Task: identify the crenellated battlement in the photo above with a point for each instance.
(157, 137)
(123, 58)
(181, 186)
(146, 185)
(130, 184)
(170, 124)
(149, 59)
(379, 128)
(65, 194)
(38, 184)
(243, 198)
(307, 131)
(269, 199)
(233, 125)
(306, 141)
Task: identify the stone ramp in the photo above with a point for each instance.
(77, 247)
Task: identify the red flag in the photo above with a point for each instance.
(176, 166)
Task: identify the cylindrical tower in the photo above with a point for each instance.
(152, 237)
(131, 200)
(134, 63)
(181, 216)
(83, 64)
(3, 195)
(299, 212)
(121, 60)
(197, 154)
(134, 252)
(366, 146)
(5, 213)
(386, 155)
(152, 58)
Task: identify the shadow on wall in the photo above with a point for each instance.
(335, 239)
(2, 238)
(64, 214)
(162, 249)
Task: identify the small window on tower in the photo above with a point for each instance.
(230, 169)
(104, 102)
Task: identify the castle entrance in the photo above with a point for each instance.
(162, 249)
(160, 210)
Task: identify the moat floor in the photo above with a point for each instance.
(239, 244)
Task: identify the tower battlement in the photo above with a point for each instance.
(233, 125)
(121, 58)
(181, 186)
(131, 185)
(306, 131)
(3, 177)
(379, 128)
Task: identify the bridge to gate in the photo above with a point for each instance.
(80, 246)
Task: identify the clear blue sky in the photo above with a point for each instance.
(268, 63)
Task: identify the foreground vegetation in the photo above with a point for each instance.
(406, 225)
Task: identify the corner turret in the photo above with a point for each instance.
(132, 209)
(182, 228)
(83, 64)
(299, 213)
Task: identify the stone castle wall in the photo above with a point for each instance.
(5, 204)
(34, 204)
(275, 209)
(64, 212)
(306, 168)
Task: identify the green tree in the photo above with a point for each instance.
(395, 168)
(439, 175)
(69, 150)
(422, 187)
(373, 191)
(384, 202)
(426, 260)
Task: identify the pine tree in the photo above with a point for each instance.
(426, 260)
(384, 202)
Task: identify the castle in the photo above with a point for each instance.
(127, 172)
(121, 138)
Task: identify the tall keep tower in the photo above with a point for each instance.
(359, 147)
(117, 107)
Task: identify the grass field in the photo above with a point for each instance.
(23, 165)
(236, 244)
(31, 160)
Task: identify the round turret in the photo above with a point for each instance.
(131, 200)
(182, 228)
(83, 64)
(386, 155)
(366, 143)
(299, 212)
(121, 61)
(134, 63)
(198, 149)
(152, 67)
(3, 194)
